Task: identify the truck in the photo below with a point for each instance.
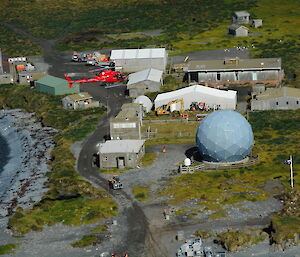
(115, 182)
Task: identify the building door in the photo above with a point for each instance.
(121, 162)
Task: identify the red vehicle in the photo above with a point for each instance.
(107, 76)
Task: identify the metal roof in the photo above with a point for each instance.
(241, 13)
(121, 146)
(196, 89)
(241, 64)
(53, 81)
(138, 53)
(271, 93)
(148, 74)
(236, 27)
(80, 96)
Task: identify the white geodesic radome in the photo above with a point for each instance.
(145, 101)
(224, 136)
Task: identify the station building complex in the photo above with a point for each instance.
(232, 71)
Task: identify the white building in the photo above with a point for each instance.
(141, 82)
(133, 60)
(211, 97)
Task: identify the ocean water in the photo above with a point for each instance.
(4, 152)
(11, 153)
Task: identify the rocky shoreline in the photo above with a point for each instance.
(23, 176)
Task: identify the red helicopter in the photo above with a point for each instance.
(107, 76)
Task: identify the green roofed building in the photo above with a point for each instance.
(55, 86)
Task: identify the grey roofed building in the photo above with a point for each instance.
(121, 153)
(284, 98)
(149, 80)
(256, 23)
(235, 64)
(235, 71)
(133, 60)
(238, 30)
(127, 124)
(241, 17)
(82, 100)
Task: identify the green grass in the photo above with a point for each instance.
(218, 188)
(140, 192)
(70, 199)
(148, 159)
(8, 248)
(15, 45)
(100, 228)
(85, 241)
(113, 170)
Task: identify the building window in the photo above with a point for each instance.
(105, 158)
(218, 76)
(276, 103)
(297, 102)
(287, 102)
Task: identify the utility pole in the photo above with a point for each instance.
(292, 175)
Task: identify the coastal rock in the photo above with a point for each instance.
(23, 175)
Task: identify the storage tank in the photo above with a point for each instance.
(224, 136)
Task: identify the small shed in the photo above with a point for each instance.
(121, 153)
(80, 101)
(256, 23)
(241, 17)
(149, 80)
(55, 86)
(238, 30)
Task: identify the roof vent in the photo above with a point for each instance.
(262, 63)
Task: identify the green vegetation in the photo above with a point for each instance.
(114, 170)
(217, 189)
(70, 199)
(8, 249)
(16, 45)
(148, 159)
(285, 225)
(234, 240)
(140, 192)
(100, 228)
(174, 129)
(85, 241)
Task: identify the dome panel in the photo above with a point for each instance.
(224, 136)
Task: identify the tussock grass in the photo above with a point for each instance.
(148, 159)
(8, 248)
(140, 192)
(85, 241)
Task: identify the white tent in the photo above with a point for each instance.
(224, 100)
(145, 101)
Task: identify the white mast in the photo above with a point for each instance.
(292, 175)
